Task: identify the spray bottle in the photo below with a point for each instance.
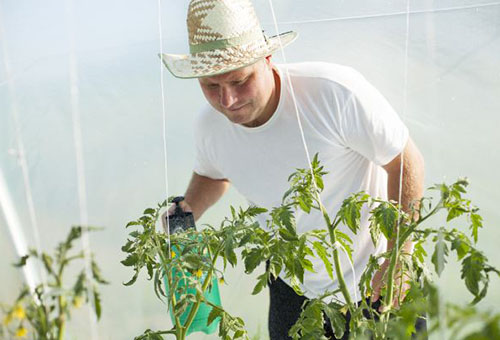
(181, 221)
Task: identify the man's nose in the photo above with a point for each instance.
(226, 97)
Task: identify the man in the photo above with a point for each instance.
(249, 135)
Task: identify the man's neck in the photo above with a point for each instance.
(273, 102)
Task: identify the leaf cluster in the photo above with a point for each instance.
(46, 309)
(290, 254)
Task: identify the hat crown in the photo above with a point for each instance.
(214, 20)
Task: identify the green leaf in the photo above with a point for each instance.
(419, 252)
(303, 204)
(345, 242)
(439, 255)
(254, 210)
(79, 285)
(128, 246)
(214, 314)
(472, 271)
(336, 318)
(261, 283)
(455, 211)
(321, 251)
(75, 233)
(96, 273)
(385, 216)
(47, 262)
(229, 253)
(183, 303)
(22, 261)
(287, 235)
(252, 259)
(97, 303)
(350, 211)
(460, 244)
(192, 261)
(132, 280)
(476, 223)
(131, 260)
(365, 285)
(149, 211)
(131, 223)
(135, 234)
(287, 219)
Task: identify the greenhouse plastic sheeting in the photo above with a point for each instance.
(81, 122)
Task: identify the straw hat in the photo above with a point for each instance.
(224, 35)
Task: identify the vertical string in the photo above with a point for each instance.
(33, 278)
(164, 119)
(403, 113)
(306, 149)
(80, 165)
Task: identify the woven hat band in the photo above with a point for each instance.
(247, 37)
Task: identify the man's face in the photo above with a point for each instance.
(242, 95)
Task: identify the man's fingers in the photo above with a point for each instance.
(185, 207)
(376, 291)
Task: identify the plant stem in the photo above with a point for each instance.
(336, 260)
(61, 321)
(204, 286)
(163, 260)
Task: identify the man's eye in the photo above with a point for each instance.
(239, 82)
(212, 86)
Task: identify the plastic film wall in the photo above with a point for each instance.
(81, 123)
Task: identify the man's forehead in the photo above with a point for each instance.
(229, 76)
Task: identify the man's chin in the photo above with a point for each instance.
(239, 118)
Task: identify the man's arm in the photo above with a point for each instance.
(412, 190)
(201, 194)
(413, 176)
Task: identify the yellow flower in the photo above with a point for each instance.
(199, 273)
(77, 301)
(18, 312)
(368, 294)
(7, 319)
(343, 310)
(172, 254)
(21, 332)
(221, 281)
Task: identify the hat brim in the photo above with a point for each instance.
(187, 66)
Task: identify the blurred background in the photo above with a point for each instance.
(437, 62)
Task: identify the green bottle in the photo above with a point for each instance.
(178, 222)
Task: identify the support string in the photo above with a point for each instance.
(80, 165)
(381, 15)
(403, 113)
(306, 149)
(164, 117)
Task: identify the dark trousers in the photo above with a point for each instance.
(285, 308)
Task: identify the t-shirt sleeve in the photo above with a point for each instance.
(370, 125)
(204, 162)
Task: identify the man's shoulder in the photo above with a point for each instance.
(324, 73)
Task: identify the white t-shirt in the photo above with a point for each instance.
(344, 118)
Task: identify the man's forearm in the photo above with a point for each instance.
(412, 181)
(203, 192)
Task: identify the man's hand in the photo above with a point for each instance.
(184, 206)
(379, 281)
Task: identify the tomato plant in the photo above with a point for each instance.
(289, 252)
